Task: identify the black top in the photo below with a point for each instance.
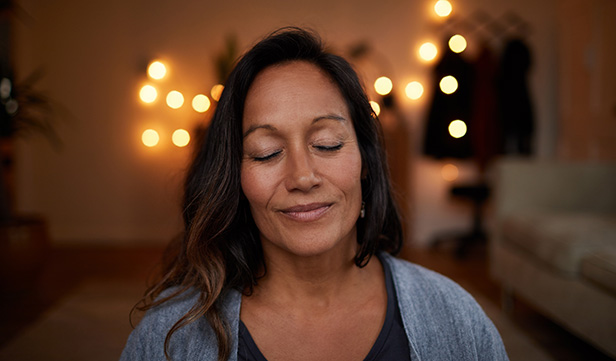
(391, 344)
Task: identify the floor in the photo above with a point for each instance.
(67, 268)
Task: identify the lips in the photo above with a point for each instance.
(306, 212)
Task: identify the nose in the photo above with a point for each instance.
(302, 174)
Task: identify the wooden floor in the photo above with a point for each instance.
(66, 268)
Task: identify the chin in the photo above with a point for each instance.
(317, 244)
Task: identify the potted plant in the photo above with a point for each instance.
(24, 240)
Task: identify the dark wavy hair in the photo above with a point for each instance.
(220, 248)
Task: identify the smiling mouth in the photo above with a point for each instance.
(307, 212)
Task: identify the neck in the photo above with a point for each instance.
(318, 281)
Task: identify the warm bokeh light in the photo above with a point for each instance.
(375, 107)
(201, 103)
(216, 91)
(428, 51)
(442, 8)
(175, 99)
(457, 43)
(150, 137)
(148, 94)
(383, 85)
(457, 128)
(450, 172)
(414, 90)
(180, 138)
(157, 70)
(448, 84)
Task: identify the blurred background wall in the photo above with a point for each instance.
(105, 186)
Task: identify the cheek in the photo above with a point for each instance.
(249, 186)
(254, 185)
(347, 174)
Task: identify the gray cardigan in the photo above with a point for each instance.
(441, 320)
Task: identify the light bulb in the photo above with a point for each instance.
(375, 107)
(180, 138)
(157, 70)
(383, 85)
(175, 99)
(150, 137)
(201, 103)
(443, 8)
(457, 43)
(448, 84)
(414, 90)
(457, 128)
(428, 51)
(450, 172)
(148, 94)
(216, 91)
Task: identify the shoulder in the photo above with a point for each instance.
(417, 280)
(440, 317)
(147, 340)
(163, 316)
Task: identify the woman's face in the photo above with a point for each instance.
(301, 167)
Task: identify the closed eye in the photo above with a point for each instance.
(329, 148)
(267, 157)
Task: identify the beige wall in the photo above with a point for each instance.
(106, 186)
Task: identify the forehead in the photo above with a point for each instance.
(292, 88)
(289, 72)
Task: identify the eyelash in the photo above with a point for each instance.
(329, 148)
(324, 148)
(267, 157)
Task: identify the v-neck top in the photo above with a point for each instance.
(391, 344)
(441, 321)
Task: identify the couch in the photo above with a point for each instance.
(553, 243)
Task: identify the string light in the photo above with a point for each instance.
(157, 70)
(443, 8)
(201, 103)
(428, 51)
(375, 107)
(216, 91)
(457, 128)
(457, 43)
(180, 138)
(414, 90)
(450, 172)
(448, 84)
(383, 85)
(148, 94)
(175, 99)
(150, 137)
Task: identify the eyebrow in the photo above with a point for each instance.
(273, 128)
(329, 116)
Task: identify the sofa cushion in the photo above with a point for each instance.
(560, 240)
(600, 267)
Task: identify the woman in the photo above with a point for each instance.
(289, 231)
